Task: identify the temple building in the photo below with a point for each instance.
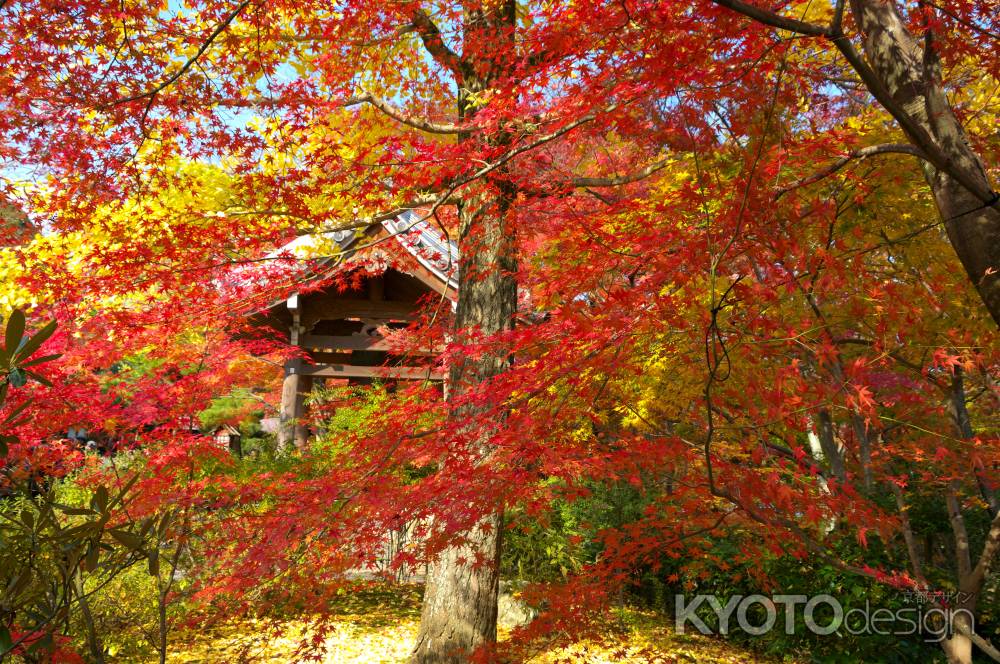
(341, 331)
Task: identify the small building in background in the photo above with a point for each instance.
(341, 329)
(229, 436)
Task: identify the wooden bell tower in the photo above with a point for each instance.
(341, 332)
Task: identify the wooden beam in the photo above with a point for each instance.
(327, 308)
(352, 371)
(332, 344)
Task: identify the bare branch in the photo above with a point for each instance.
(990, 548)
(430, 36)
(385, 107)
(836, 25)
(911, 544)
(969, 24)
(541, 140)
(963, 558)
(395, 114)
(860, 154)
(917, 133)
(932, 151)
(768, 17)
(310, 38)
(620, 180)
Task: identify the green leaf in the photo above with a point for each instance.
(93, 552)
(15, 331)
(161, 530)
(38, 377)
(14, 413)
(40, 360)
(6, 643)
(83, 530)
(32, 344)
(45, 642)
(99, 501)
(19, 583)
(75, 511)
(124, 490)
(130, 540)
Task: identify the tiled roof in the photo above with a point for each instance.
(428, 245)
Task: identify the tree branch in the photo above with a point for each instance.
(908, 538)
(310, 38)
(969, 24)
(430, 36)
(990, 548)
(541, 140)
(395, 114)
(836, 25)
(863, 153)
(876, 87)
(768, 17)
(167, 82)
(918, 134)
(620, 180)
(963, 558)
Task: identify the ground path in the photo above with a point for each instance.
(379, 628)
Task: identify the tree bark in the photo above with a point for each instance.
(828, 444)
(911, 74)
(459, 612)
(460, 599)
(963, 427)
(971, 580)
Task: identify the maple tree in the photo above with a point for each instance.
(682, 258)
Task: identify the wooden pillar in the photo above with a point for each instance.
(294, 388)
(290, 405)
(305, 384)
(293, 395)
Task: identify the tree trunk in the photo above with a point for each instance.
(828, 444)
(911, 75)
(93, 640)
(958, 648)
(959, 413)
(460, 599)
(459, 612)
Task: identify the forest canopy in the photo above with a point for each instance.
(584, 303)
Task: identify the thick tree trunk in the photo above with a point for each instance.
(911, 74)
(460, 599)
